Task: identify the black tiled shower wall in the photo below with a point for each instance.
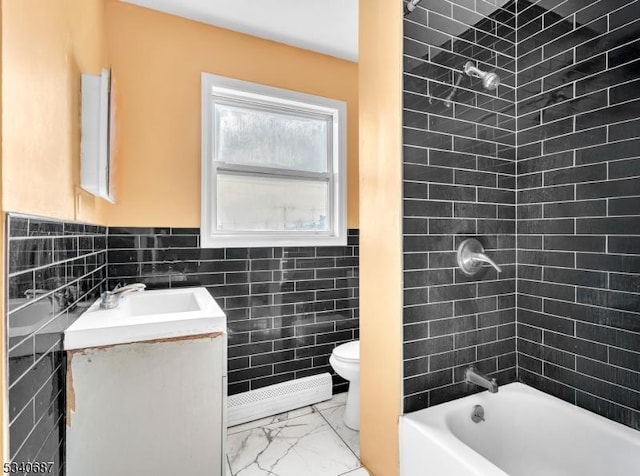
(287, 308)
(578, 170)
(55, 270)
(459, 182)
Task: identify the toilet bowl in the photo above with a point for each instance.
(345, 360)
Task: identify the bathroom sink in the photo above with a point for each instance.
(151, 303)
(145, 316)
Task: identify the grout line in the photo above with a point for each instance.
(582, 373)
(575, 63)
(468, 27)
(51, 292)
(505, 72)
(631, 313)
(476, 12)
(56, 263)
(457, 38)
(228, 466)
(534, 3)
(567, 34)
(35, 424)
(460, 381)
(584, 113)
(335, 431)
(54, 237)
(508, 103)
(453, 118)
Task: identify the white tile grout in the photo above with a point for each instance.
(574, 64)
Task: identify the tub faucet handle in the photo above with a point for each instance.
(484, 258)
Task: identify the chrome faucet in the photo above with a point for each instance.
(110, 299)
(471, 375)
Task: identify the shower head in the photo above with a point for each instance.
(490, 81)
(410, 5)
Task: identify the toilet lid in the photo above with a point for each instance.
(349, 351)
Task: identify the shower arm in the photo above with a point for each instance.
(448, 99)
(410, 6)
(472, 70)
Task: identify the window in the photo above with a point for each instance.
(273, 166)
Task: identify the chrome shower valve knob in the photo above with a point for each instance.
(471, 255)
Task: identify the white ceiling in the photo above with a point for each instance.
(325, 26)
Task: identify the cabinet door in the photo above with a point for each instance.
(147, 408)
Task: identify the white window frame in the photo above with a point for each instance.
(222, 88)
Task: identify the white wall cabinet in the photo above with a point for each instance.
(96, 131)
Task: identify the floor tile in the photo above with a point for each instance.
(357, 472)
(305, 445)
(338, 399)
(335, 417)
(269, 420)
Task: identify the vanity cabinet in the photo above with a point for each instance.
(147, 408)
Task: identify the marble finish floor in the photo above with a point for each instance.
(310, 441)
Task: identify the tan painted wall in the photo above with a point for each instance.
(46, 45)
(156, 62)
(380, 233)
(2, 281)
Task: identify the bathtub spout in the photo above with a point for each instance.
(471, 375)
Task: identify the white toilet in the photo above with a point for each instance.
(345, 360)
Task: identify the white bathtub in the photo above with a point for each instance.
(525, 433)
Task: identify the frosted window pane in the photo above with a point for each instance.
(271, 204)
(270, 139)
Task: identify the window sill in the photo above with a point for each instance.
(257, 241)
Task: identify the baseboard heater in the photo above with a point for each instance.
(279, 398)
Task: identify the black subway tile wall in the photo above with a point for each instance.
(459, 182)
(579, 203)
(54, 271)
(287, 308)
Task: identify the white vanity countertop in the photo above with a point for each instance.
(147, 315)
